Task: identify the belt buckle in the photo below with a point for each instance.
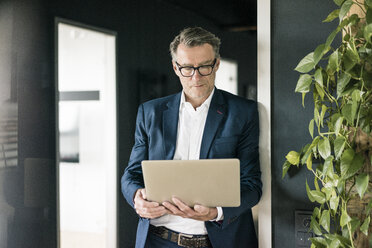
(183, 235)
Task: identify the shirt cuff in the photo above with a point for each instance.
(219, 214)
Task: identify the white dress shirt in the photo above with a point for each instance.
(191, 124)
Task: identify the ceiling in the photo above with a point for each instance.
(230, 15)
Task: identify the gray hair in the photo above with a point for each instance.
(192, 37)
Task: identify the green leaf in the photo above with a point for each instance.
(346, 159)
(333, 15)
(369, 207)
(339, 146)
(328, 163)
(344, 241)
(306, 64)
(316, 213)
(322, 113)
(320, 91)
(354, 108)
(316, 116)
(293, 157)
(345, 218)
(369, 3)
(354, 223)
(309, 162)
(362, 184)
(346, 37)
(350, 163)
(316, 184)
(344, 9)
(338, 2)
(330, 38)
(335, 243)
(319, 242)
(325, 220)
(354, 19)
(356, 95)
(343, 80)
(333, 63)
(303, 83)
(309, 195)
(351, 58)
(286, 166)
(334, 202)
(354, 105)
(328, 192)
(314, 225)
(319, 77)
(311, 128)
(338, 125)
(318, 53)
(324, 148)
(368, 32)
(364, 226)
(346, 112)
(356, 164)
(318, 196)
(341, 186)
(369, 16)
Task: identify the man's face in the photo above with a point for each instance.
(197, 88)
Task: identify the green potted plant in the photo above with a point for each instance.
(340, 152)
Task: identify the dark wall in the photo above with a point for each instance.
(27, 137)
(297, 29)
(144, 31)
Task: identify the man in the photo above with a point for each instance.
(201, 122)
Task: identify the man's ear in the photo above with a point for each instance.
(217, 64)
(175, 68)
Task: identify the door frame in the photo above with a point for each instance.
(58, 20)
(264, 101)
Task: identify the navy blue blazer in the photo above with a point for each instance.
(231, 131)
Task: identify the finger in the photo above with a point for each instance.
(143, 192)
(157, 213)
(173, 209)
(202, 210)
(151, 212)
(152, 215)
(183, 207)
(140, 203)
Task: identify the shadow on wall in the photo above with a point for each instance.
(25, 194)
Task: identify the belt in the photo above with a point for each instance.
(181, 239)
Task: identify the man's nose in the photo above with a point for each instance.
(196, 75)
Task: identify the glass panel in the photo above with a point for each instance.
(87, 138)
(227, 76)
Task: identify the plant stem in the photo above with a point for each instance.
(323, 183)
(351, 237)
(327, 133)
(344, 203)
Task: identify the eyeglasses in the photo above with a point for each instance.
(204, 70)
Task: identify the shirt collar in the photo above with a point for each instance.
(206, 103)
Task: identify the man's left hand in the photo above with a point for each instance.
(199, 212)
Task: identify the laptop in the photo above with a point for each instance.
(209, 182)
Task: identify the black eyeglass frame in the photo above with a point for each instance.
(196, 68)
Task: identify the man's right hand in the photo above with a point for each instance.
(147, 209)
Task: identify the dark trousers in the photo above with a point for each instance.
(154, 241)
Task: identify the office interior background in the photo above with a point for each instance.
(42, 179)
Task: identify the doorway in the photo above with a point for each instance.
(86, 136)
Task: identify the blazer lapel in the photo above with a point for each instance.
(216, 113)
(170, 125)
